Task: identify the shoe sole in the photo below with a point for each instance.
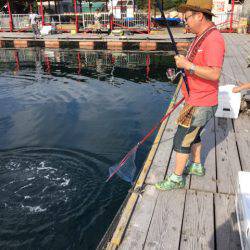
(162, 189)
(194, 174)
(197, 174)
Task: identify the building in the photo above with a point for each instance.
(223, 10)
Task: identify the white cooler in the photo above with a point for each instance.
(243, 208)
(229, 102)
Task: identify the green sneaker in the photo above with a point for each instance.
(193, 168)
(169, 184)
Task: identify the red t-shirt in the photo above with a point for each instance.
(211, 53)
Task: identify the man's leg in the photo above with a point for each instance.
(180, 162)
(195, 167)
(196, 152)
(181, 159)
(183, 141)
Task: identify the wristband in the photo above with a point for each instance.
(192, 69)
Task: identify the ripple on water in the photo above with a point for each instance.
(41, 187)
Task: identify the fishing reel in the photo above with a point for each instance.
(171, 74)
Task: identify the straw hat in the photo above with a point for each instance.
(204, 6)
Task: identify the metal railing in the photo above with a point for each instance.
(59, 19)
(86, 20)
(223, 20)
(4, 21)
(20, 21)
(140, 20)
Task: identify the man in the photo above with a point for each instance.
(202, 65)
(33, 18)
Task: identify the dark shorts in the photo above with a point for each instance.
(185, 137)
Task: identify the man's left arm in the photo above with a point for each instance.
(208, 73)
(213, 57)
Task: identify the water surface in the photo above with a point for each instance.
(66, 116)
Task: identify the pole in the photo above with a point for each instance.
(80, 2)
(147, 67)
(155, 10)
(112, 17)
(41, 12)
(56, 10)
(232, 17)
(77, 24)
(106, 4)
(121, 6)
(79, 63)
(149, 15)
(10, 17)
(17, 60)
(174, 45)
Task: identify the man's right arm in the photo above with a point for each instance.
(243, 86)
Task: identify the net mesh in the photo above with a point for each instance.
(126, 169)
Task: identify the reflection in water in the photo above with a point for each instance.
(139, 66)
(66, 117)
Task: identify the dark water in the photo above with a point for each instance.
(65, 118)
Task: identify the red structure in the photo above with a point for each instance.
(76, 15)
(10, 15)
(232, 17)
(41, 12)
(149, 16)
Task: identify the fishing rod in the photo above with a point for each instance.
(173, 43)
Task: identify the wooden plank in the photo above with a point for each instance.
(165, 229)
(237, 68)
(208, 157)
(228, 73)
(136, 232)
(242, 59)
(198, 223)
(228, 163)
(227, 236)
(123, 222)
(159, 167)
(168, 203)
(242, 133)
(237, 55)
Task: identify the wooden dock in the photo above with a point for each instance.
(201, 216)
